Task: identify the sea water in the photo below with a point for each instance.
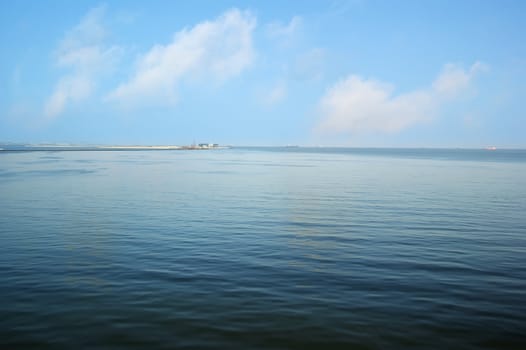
(263, 248)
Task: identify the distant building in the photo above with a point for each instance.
(208, 145)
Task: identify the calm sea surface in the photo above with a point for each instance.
(271, 248)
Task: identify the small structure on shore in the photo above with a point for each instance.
(204, 146)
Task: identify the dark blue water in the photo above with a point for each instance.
(263, 248)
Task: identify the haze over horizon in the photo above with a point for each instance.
(341, 73)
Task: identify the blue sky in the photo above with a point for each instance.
(341, 73)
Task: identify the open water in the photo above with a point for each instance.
(263, 248)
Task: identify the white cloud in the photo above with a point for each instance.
(82, 52)
(90, 31)
(71, 88)
(356, 104)
(217, 50)
(454, 79)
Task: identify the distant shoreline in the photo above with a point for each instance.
(44, 147)
(140, 147)
(12, 147)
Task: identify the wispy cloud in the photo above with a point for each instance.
(275, 95)
(83, 53)
(215, 50)
(454, 79)
(356, 104)
(72, 88)
(309, 65)
(284, 31)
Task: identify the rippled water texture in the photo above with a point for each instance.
(263, 248)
